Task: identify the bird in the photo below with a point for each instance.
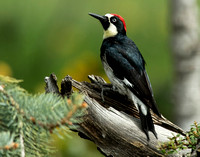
(125, 67)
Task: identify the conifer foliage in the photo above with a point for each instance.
(26, 120)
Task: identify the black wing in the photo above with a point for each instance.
(130, 65)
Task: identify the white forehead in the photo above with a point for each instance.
(109, 15)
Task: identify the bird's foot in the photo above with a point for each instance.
(105, 88)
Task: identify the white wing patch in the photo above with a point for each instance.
(127, 83)
(138, 103)
(144, 109)
(135, 99)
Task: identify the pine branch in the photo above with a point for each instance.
(27, 120)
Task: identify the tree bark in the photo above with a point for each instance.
(186, 50)
(114, 125)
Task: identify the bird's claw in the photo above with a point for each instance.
(105, 89)
(102, 96)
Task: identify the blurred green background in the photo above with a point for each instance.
(38, 37)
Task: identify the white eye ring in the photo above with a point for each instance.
(114, 20)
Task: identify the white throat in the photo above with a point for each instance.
(111, 31)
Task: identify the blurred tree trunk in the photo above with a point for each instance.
(186, 50)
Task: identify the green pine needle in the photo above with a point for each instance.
(26, 120)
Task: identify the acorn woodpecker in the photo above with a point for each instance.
(125, 68)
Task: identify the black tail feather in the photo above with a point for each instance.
(147, 123)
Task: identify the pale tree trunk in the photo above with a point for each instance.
(186, 50)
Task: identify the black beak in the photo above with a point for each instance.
(99, 17)
(103, 19)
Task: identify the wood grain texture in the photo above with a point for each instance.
(113, 124)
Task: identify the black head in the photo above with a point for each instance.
(113, 24)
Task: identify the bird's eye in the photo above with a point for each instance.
(114, 20)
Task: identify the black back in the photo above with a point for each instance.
(123, 56)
